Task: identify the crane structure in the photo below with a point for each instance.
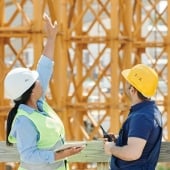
(96, 40)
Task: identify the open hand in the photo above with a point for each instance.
(68, 152)
(73, 150)
(50, 29)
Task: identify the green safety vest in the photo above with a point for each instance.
(50, 128)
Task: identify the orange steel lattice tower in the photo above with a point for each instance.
(96, 40)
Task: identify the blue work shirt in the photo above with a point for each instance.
(25, 131)
(144, 121)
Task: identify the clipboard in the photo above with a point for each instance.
(68, 145)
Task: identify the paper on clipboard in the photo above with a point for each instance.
(70, 145)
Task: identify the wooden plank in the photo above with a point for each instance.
(165, 152)
(103, 166)
(94, 152)
(8, 154)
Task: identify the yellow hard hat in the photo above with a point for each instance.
(143, 78)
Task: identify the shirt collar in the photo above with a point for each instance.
(29, 109)
(26, 108)
(140, 105)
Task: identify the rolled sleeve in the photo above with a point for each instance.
(140, 127)
(45, 62)
(45, 70)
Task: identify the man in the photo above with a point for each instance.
(139, 141)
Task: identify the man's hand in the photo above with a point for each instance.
(130, 152)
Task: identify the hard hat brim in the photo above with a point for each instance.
(125, 74)
(35, 75)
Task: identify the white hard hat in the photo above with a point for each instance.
(18, 81)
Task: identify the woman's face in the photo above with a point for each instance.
(37, 90)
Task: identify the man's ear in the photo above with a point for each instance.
(132, 89)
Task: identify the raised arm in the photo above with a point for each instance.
(45, 65)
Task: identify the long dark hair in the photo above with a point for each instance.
(12, 113)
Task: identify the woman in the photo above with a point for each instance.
(32, 125)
